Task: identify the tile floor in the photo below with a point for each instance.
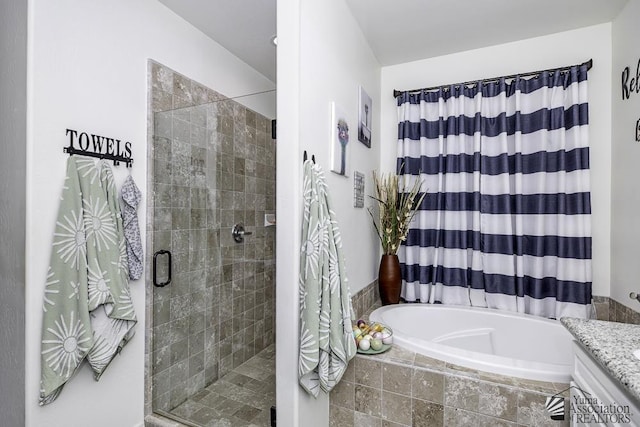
(241, 398)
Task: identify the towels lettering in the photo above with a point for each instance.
(98, 143)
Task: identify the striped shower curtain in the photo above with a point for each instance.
(506, 220)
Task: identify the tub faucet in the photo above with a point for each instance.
(635, 296)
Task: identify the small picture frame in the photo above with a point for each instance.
(339, 141)
(365, 113)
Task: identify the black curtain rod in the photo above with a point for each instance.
(588, 63)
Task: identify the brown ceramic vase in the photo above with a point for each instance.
(390, 279)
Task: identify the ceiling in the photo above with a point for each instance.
(399, 31)
(243, 27)
(407, 30)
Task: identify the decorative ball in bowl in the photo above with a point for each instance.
(372, 338)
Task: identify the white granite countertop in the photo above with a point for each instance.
(612, 344)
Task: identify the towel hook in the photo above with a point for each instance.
(305, 157)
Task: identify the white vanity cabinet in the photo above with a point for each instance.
(596, 399)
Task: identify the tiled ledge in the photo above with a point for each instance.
(154, 420)
(400, 356)
(609, 309)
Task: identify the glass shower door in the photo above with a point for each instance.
(212, 330)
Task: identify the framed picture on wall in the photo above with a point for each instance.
(339, 141)
(364, 117)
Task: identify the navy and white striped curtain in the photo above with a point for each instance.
(506, 220)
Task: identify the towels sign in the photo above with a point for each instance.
(91, 143)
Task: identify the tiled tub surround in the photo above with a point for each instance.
(211, 165)
(612, 345)
(401, 388)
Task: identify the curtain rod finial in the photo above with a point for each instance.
(589, 64)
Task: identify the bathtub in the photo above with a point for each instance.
(505, 343)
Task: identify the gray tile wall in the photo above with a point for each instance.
(366, 299)
(609, 309)
(211, 165)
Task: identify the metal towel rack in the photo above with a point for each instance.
(103, 147)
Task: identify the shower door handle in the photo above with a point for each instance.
(155, 268)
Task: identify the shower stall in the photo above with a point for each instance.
(211, 246)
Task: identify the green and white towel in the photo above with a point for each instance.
(88, 312)
(326, 338)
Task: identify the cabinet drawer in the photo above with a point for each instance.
(611, 404)
(577, 394)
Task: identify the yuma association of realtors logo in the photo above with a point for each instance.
(555, 407)
(585, 409)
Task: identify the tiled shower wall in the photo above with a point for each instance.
(211, 165)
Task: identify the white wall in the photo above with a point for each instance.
(334, 59)
(13, 134)
(555, 50)
(625, 196)
(88, 70)
(288, 201)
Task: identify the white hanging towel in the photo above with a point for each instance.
(326, 337)
(88, 312)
